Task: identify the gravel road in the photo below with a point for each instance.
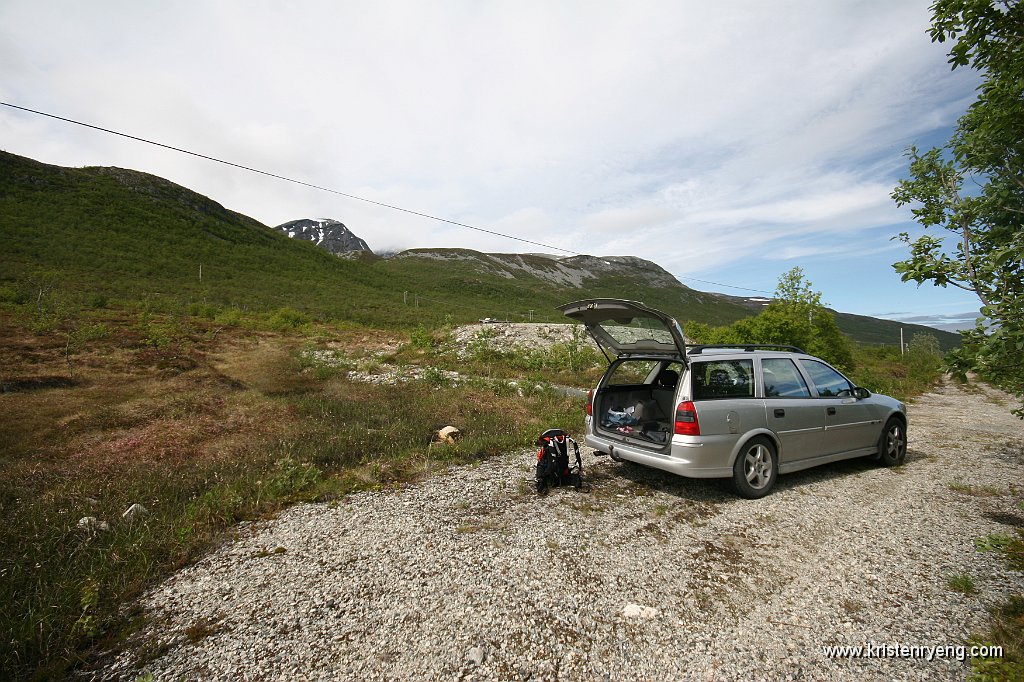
(644, 576)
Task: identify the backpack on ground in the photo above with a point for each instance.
(554, 468)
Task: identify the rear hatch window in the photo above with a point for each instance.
(628, 328)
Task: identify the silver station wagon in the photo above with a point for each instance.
(748, 413)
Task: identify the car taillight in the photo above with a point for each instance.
(686, 420)
(590, 402)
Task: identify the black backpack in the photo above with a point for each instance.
(553, 466)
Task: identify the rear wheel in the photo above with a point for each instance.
(756, 468)
(892, 444)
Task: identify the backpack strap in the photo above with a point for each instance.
(576, 447)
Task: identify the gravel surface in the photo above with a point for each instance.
(641, 576)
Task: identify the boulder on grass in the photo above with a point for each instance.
(134, 512)
(449, 435)
(92, 525)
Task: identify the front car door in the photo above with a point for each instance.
(849, 423)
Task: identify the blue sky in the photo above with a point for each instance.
(727, 142)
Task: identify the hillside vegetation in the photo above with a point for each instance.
(123, 236)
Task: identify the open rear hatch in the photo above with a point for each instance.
(628, 328)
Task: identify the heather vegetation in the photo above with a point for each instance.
(203, 418)
(208, 415)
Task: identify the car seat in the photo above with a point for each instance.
(667, 378)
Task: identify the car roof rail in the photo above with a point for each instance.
(748, 347)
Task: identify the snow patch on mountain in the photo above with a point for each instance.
(326, 233)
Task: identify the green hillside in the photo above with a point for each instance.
(127, 236)
(872, 330)
(130, 235)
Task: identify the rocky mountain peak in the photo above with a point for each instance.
(326, 233)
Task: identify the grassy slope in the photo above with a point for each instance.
(128, 235)
(466, 290)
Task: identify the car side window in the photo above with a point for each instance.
(827, 381)
(782, 379)
(722, 379)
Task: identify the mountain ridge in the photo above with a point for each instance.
(120, 232)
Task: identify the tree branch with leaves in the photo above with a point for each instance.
(988, 147)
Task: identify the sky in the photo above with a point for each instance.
(727, 142)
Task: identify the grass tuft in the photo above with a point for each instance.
(961, 582)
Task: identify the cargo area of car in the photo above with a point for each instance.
(641, 412)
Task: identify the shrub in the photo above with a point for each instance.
(961, 583)
(229, 317)
(420, 337)
(287, 319)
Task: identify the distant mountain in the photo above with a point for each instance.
(509, 285)
(571, 271)
(326, 233)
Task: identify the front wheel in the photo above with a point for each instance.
(756, 468)
(892, 444)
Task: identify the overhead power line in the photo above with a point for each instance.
(328, 189)
(731, 286)
(287, 179)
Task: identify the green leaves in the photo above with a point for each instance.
(988, 147)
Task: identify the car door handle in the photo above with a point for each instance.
(780, 413)
(830, 411)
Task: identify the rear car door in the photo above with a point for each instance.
(796, 417)
(849, 423)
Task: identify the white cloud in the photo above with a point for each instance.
(700, 134)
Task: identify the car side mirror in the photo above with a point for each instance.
(858, 393)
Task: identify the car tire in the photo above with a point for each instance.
(756, 468)
(892, 444)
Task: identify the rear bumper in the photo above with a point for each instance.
(709, 458)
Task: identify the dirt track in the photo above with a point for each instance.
(645, 576)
